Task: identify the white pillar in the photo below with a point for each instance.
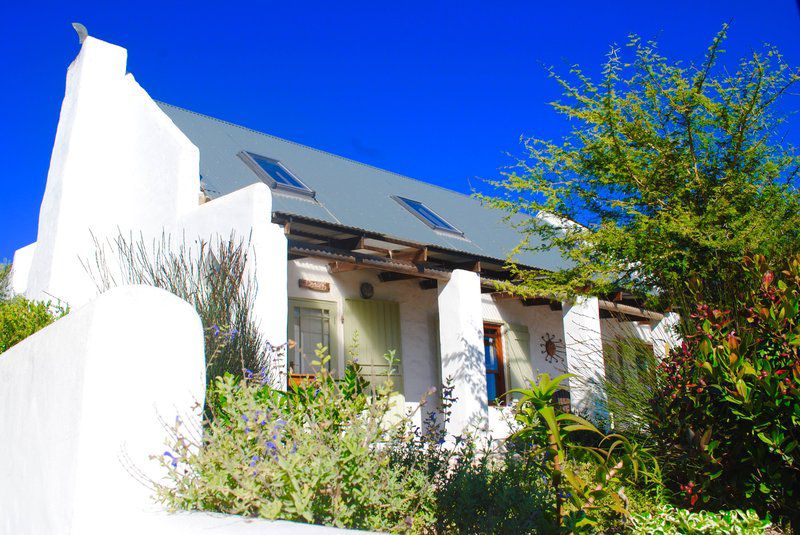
(665, 335)
(246, 214)
(463, 364)
(584, 351)
(21, 268)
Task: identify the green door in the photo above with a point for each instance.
(378, 326)
(518, 355)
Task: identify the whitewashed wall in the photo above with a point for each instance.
(81, 407)
(119, 165)
(84, 405)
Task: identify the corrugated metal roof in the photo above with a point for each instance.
(348, 192)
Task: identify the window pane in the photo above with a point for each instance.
(277, 173)
(490, 354)
(428, 215)
(491, 386)
(311, 327)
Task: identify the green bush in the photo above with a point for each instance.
(671, 521)
(476, 490)
(314, 454)
(728, 410)
(20, 318)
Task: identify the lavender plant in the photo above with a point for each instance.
(316, 454)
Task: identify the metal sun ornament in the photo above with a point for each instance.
(552, 348)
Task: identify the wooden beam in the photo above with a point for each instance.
(349, 261)
(627, 310)
(382, 250)
(411, 254)
(343, 267)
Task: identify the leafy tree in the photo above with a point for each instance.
(669, 171)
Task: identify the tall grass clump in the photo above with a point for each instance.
(213, 276)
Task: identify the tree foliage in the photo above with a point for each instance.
(670, 171)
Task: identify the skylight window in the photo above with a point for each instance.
(274, 174)
(426, 215)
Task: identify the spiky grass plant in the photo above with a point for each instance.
(213, 276)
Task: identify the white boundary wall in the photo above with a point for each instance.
(83, 398)
(84, 403)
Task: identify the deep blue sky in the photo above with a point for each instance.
(437, 91)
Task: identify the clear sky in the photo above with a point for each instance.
(439, 91)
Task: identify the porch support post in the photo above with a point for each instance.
(463, 365)
(584, 352)
(665, 335)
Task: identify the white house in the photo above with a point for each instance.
(339, 246)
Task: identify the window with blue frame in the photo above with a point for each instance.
(493, 356)
(275, 174)
(426, 215)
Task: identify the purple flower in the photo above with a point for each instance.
(215, 330)
(174, 460)
(232, 334)
(253, 460)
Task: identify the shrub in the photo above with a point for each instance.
(5, 281)
(669, 520)
(314, 454)
(20, 318)
(728, 409)
(579, 499)
(476, 490)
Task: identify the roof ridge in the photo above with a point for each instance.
(316, 149)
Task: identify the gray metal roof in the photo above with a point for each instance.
(350, 193)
